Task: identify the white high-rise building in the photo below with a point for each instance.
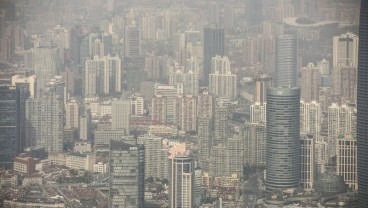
(258, 112)
(45, 123)
(85, 126)
(189, 79)
(345, 49)
(137, 105)
(92, 82)
(310, 117)
(222, 82)
(120, 114)
(346, 160)
(307, 161)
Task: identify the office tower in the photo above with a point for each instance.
(362, 103)
(213, 15)
(126, 177)
(345, 50)
(283, 135)
(258, 112)
(220, 124)
(72, 114)
(310, 83)
(12, 122)
(31, 81)
(262, 83)
(214, 44)
(254, 136)
(45, 123)
(151, 67)
(181, 182)
(137, 105)
(346, 160)
(308, 170)
(56, 87)
(222, 82)
(85, 126)
(120, 115)
(154, 162)
(83, 50)
(186, 112)
(47, 65)
(345, 83)
(253, 12)
(286, 61)
(310, 118)
(132, 42)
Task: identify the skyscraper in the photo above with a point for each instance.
(345, 49)
(120, 115)
(310, 83)
(286, 61)
(12, 122)
(126, 179)
(362, 104)
(214, 39)
(222, 82)
(132, 42)
(181, 180)
(282, 140)
(346, 160)
(308, 168)
(46, 64)
(45, 123)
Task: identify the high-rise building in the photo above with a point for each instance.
(283, 135)
(308, 169)
(189, 79)
(12, 122)
(158, 112)
(205, 132)
(220, 128)
(254, 136)
(262, 83)
(92, 80)
(214, 44)
(345, 50)
(72, 114)
(120, 115)
(85, 126)
(47, 65)
(45, 123)
(346, 160)
(222, 82)
(286, 61)
(186, 112)
(310, 117)
(154, 162)
(126, 175)
(31, 80)
(132, 42)
(310, 83)
(205, 104)
(181, 182)
(258, 112)
(344, 82)
(137, 105)
(362, 103)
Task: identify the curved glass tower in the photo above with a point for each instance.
(283, 136)
(362, 107)
(286, 60)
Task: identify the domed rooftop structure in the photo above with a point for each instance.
(330, 184)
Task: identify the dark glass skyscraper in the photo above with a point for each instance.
(362, 107)
(12, 122)
(286, 61)
(213, 45)
(126, 180)
(282, 140)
